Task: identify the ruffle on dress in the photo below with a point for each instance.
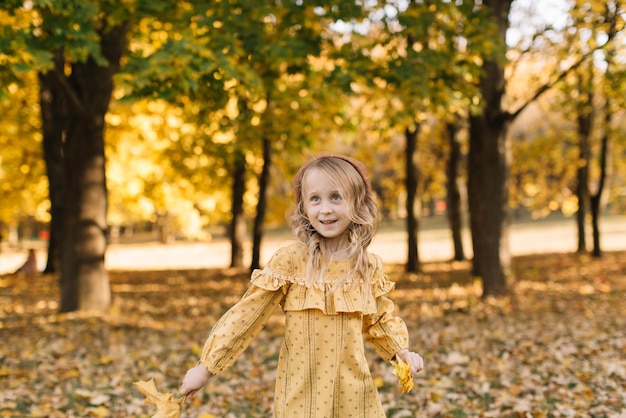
(285, 272)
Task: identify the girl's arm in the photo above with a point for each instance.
(386, 332)
(231, 335)
(389, 335)
(237, 328)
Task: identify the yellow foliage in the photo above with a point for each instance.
(402, 371)
(167, 407)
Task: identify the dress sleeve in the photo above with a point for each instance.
(386, 332)
(238, 327)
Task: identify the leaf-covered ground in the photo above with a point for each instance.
(555, 347)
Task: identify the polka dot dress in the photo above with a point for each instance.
(322, 368)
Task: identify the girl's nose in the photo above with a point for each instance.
(325, 208)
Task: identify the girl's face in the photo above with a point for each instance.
(326, 208)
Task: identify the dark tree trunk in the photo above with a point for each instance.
(584, 120)
(84, 280)
(488, 203)
(264, 179)
(238, 224)
(412, 222)
(596, 198)
(488, 170)
(52, 104)
(453, 206)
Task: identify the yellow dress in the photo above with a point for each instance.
(322, 368)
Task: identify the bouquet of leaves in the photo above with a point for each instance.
(402, 371)
(167, 406)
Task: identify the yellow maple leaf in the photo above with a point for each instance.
(167, 406)
(402, 371)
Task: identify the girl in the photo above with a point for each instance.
(334, 295)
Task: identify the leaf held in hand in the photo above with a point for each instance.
(402, 371)
(167, 406)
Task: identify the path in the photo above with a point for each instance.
(434, 241)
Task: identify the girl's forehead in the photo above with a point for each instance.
(316, 179)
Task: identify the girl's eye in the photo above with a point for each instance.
(336, 197)
(315, 198)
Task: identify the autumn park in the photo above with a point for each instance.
(147, 152)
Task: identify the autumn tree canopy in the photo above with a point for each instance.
(171, 92)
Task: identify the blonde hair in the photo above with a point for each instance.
(363, 212)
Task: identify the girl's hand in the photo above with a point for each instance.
(194, 380)
(414, 360)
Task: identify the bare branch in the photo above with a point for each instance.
(547, 86)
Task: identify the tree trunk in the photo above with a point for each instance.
(453, 206)
(488, 169)
(259, 220)
(52, 105)
(238, 224)
(596, 198)
(412, 222)
(488, 203)
(84, 280)
(584, 120)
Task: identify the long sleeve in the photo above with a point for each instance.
(386, 332)
(238, 327)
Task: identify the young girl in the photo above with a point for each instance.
(334, 295)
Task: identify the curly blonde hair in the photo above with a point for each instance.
(350, 177)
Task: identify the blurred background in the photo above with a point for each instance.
(166, 121)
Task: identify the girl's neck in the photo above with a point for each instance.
(337, 250)
(340, 255)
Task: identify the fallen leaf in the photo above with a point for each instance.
(455, 358)
(99, 412)
(167, 407)
(539, 344)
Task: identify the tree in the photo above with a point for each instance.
(259, 220)
(84, 282)
(260, 57)
(77, 48)
(488, 163)
(608, 22)
(411, 181)
(280, 44)
(453, 202)
(420, 61)
(52, 105)
(489, 155)
(237, 230)
(584, 119)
